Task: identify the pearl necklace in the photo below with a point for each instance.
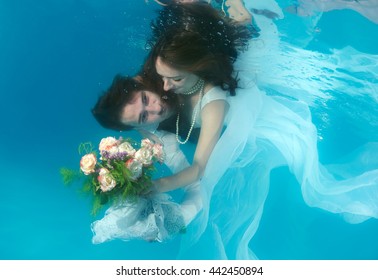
(194, 117)
(200, 83)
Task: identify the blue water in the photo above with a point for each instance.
(56, 57)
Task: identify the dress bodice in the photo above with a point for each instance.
(215, 93)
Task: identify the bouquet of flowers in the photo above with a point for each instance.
(121, 170)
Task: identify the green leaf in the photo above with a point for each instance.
(88, 184)
(69, 175)
(96, 205)
(85, 148)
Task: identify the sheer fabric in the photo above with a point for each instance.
(264, 132)
(154, 218)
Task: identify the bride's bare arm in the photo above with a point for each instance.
(212, 116)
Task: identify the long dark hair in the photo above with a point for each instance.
(196, 38)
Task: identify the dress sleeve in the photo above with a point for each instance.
(175, 159)
(216, 93)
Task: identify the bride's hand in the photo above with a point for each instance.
(158, 185)
(153, 189)
(149, 191)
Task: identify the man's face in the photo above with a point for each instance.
(144, 109)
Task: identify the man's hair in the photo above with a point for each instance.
(109, 106)
(108, 109)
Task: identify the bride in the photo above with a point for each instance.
(243, 137)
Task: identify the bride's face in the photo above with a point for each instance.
(174, 79)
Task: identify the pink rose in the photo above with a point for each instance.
(158, 152)
(144, 156)
(108, 144)
(88, 163)
(106, 180)
(135, 167)
(147, 143)
(126, 147)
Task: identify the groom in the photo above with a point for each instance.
(131, 103)
(136, 103)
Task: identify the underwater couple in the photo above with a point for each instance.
(198, 85)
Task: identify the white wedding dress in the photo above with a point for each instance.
(261, 133)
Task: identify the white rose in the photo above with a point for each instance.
(126, 147)
(147, 143)
(158, 152)
(144, 155)
(135, 167)
(106, 180)
(108, 144)
(88, 163)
